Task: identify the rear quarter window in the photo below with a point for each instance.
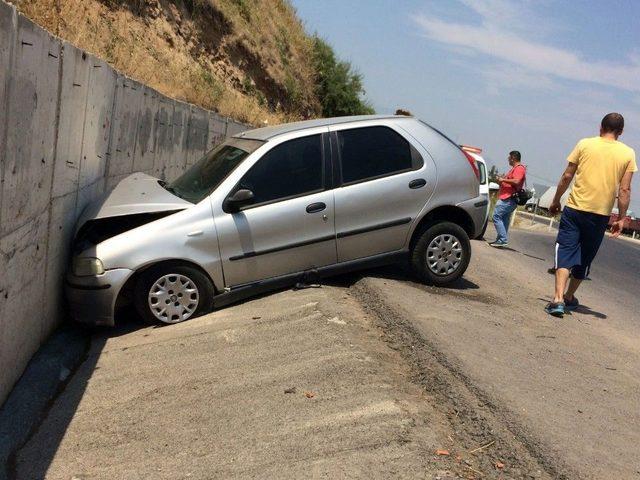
(450, 162)
(373, 152)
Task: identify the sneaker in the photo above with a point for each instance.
(571, 306)
(499, 244)
(555, 309)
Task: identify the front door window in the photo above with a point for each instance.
(289, 170)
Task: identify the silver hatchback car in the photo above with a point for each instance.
(275, 205)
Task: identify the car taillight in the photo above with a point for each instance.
(474, 165)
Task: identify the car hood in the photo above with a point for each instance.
(137, 193)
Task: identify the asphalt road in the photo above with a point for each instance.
(616, 269)
(568, 389)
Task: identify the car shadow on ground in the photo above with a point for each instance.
(127, 319)
(400, 272)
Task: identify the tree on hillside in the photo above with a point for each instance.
(338, 87)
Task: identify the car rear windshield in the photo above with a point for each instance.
(207, 173)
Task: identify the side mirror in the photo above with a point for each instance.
(238, 200)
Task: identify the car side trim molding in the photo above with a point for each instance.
(266, 251)
(372, 228)
(326, 238)
(481, 203)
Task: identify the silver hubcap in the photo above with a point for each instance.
(444, 254)
(173, 298)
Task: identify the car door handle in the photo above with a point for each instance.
(316, 207)
(417, 183)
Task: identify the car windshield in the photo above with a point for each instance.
(208, 172)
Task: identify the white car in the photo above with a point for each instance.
(484, 180)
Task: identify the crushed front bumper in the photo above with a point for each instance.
(92, 299)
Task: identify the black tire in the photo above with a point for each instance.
(148, 278)
(484, 230)
(419, 254)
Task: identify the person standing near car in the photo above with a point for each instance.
(601, 166)
(506, 204)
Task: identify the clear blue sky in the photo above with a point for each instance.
(531, 75)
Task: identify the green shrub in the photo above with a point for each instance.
(338, 87)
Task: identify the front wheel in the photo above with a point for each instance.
(173, 293)
(441, 254)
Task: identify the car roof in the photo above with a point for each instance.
(266, 133)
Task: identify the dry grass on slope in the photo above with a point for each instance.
(249, 59)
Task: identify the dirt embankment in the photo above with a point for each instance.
(247, 59)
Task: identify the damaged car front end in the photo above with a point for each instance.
(92, 289)
(144, 223)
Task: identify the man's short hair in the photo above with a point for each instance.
(612, 123)
(515, 154)
(404, 112)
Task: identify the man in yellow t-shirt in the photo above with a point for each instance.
(601, 166)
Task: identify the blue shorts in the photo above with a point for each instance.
(579, 237)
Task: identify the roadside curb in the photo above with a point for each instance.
(46, 374)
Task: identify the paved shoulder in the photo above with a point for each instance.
(297, 384)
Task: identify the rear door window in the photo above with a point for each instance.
(374, 152)
(291, 169)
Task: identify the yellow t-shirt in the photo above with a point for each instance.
(601, 164)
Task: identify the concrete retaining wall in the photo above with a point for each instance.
(71, 127)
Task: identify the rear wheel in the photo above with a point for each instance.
(173, 293)
(441, 254)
